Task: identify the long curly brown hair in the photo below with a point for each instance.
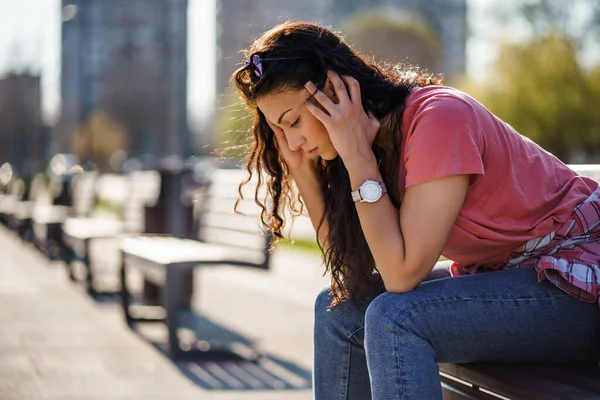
(292, 54)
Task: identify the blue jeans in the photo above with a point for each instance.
(390, 348)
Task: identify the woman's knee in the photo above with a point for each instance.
(343, 319)
(391, 312)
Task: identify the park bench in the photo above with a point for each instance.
(127, 195)
(223, 237)
(47, 217)
(15, 191)
(488, 381)
(21, 217)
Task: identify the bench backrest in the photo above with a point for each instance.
(144, 189)
(83, 193)
(126, 195)
(218, 223)
(38, 188)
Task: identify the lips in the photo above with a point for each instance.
(313, 151)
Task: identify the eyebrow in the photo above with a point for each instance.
(290, 109)
(282, 114)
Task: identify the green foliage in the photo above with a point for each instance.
(541, 90)
(578, 19)
(234, 128)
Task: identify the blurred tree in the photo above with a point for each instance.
(234, 128)
(578, 19)
(98, 139)
(542, 91)
(394, 38)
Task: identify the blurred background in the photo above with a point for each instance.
(116, 80)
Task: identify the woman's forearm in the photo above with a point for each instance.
(309, 186)
(381, 227)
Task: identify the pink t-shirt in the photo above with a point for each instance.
(518, 191)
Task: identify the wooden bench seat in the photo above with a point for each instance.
(46, 214)
(168, 250)
(524, 381)
(527, 381)
(169, 262)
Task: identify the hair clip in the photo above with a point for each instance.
(256, 64)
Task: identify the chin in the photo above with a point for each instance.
(328, 156)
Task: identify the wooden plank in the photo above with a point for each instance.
(165, 250)
(219, 204)
(232, 191)
(92, 227)
(516, 381)
(583, 376)
(453, 390)
(232, 238)
(234, 222)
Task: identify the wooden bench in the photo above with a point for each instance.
(22, 215)
(168, 262)
(524, 381)
(47, 217)
(128, 194)
(15, 190)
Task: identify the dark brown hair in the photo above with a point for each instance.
(301, 52)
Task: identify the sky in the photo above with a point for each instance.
(30, 40)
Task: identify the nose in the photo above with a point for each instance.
(295, 141)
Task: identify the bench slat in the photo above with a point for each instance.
(83, 228)
(167, 250)
(518, 381)
(234, 239)
(217, 204)
(243, 223)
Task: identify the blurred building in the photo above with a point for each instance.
(240, 20)
(125, 59)
(23, 139)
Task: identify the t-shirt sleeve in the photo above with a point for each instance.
(443, 140)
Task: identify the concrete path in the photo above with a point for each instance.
(57, 343)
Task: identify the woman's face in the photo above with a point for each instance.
(286, 111)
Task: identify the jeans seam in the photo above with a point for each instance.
(352, 333)
(346, 373)
(400, 377)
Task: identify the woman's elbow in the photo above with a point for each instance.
(405, 282)
(399, 287)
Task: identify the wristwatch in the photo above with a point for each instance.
(369, 192)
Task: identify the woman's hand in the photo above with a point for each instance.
(350, 129)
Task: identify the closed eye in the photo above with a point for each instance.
(295, 122)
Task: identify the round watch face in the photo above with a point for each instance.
(370, 191)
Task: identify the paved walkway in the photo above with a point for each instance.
(57, 343)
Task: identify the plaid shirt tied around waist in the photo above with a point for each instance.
(568, 257)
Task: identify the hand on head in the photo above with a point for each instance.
(350, 128)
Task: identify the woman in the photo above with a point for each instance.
(395, 170)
